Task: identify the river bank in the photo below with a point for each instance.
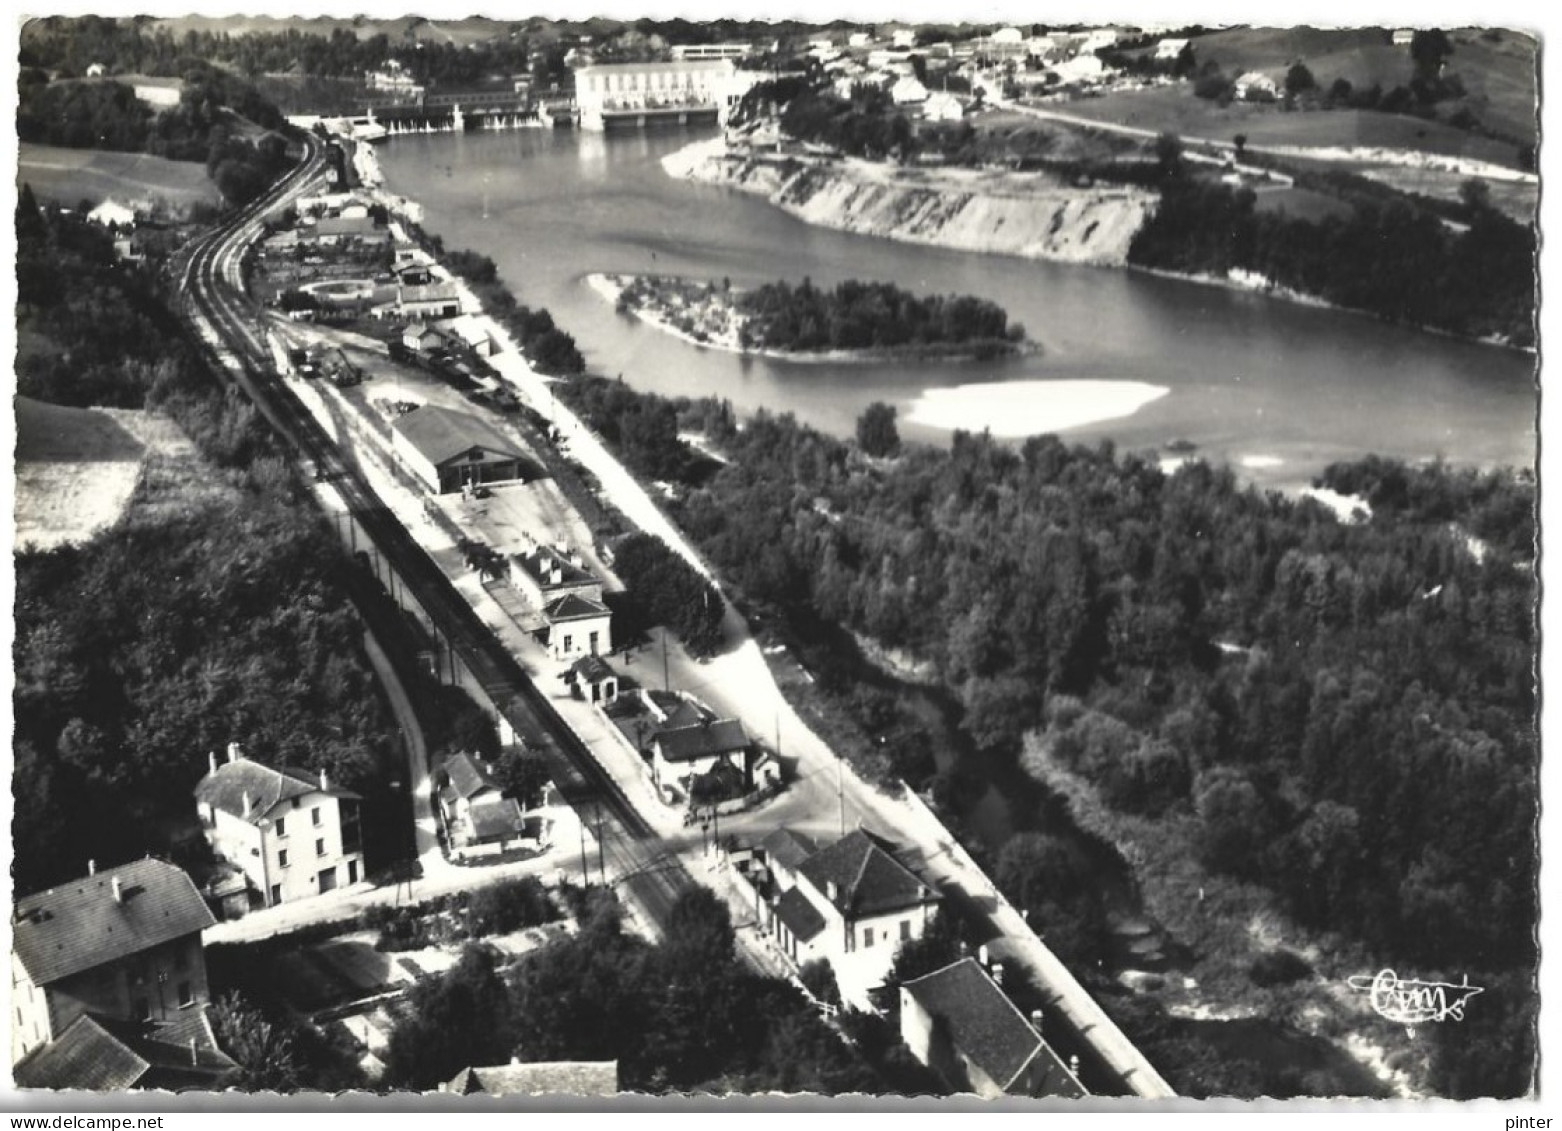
(1032, 215)
(714, 318)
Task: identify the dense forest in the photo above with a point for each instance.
(1348, 710)
(1391, 260)
(175, 632)
(865, 315)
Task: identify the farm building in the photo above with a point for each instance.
(428, 300)
(448, 450)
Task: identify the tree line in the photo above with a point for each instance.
(1390, 260)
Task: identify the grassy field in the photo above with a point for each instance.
(68, 176)
(1301, 204)
(1176, 109)
(79, 470)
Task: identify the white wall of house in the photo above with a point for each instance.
(285, 859)
(572, 639)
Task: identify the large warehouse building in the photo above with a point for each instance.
(449, 450)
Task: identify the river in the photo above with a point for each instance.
(1277, 389)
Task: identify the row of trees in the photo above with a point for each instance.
(1390, 260)
(867, 315)
(670, 591)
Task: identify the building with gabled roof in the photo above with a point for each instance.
(123, 943)
(473, 804)
(543, 1078)
(577, 626)
(594, 678)
(104, 1054)
(961, 1024)
(861, 901)
(448, 450)
(436, 299)
(292, 833)
(544, 573)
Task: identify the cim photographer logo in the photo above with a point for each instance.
(1410, 1002)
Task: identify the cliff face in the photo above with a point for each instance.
(1025, 214)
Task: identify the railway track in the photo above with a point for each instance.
(227, 323)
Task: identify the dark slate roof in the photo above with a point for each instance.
(540, 562)
(592, 669)
(788, 848)
(442, 434)
(99, 1054)
(468, 776)
(498, 818)
(553, 1078)
(987, 1027)
(78, 926)
(225, 789)
(702, 740)
(868, 880)
(572, 606)
(799, 914)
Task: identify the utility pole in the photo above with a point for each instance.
(666, 683)
(601, 861)
(840, 790)
(585, 877)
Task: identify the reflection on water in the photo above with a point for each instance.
(1248, 375)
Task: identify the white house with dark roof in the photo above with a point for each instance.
(122, 943)
(474, 806)
(569, 596)
(852, 902)
(292, 833)
(961, 1024)
(595, 680)
(448, 450)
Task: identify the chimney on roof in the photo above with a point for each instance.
(555, 575)
(92, 867)
(832, 890)
(211, 760)
(998, 974)
(515, 1060)
(248, 805)
(119, 891)
(1036, 1019)
(194, 1057)
(1073, 1064)
(981, 954)
(233, 752)
(325, 783)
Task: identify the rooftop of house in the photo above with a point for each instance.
(988, 1028)
(801, 917)
(104, 917)
(551, 1078)
(99, 1054)
(788, 848)
(866, 878)
(705, 739)
(468, 776)
(592, 669)
(496, 817)
(547, 568)
(249, 790)
(572, 606)
(676, 67)
(442, 434)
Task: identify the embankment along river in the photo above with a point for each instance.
(1277, 389)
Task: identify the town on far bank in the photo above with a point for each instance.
(403, 706)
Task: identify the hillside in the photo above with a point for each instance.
(1497, 68)
(69, 176)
